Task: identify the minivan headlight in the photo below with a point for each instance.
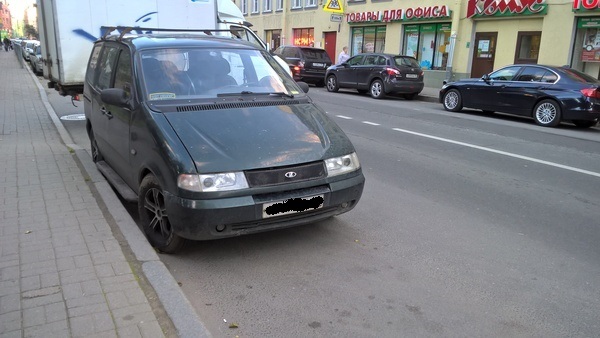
(212, 182)
(342, 165)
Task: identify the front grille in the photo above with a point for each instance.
(282, 175)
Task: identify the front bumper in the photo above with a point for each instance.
(235, 216)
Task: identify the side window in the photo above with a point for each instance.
(549, 77)
(357, 60)
(123, 72)
(381, 61)
(369, 60)
(90, 75)
(505, 74)
(530, 74)
(107, 65)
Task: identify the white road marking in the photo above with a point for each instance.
(526, 158)
(344, 117)
(371, 123)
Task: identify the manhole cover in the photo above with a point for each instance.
(73, 117)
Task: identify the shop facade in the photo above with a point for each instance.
(467, 38)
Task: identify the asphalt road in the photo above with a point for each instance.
(470, 225)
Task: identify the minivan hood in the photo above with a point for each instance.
(234, 139)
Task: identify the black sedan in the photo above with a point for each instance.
(548, 94)
(380, 74)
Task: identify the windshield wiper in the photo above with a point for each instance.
(246, 92)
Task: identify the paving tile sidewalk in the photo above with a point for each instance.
(62, 271)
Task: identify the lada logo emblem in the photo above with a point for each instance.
(290, 174)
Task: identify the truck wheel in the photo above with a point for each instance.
(155, 219)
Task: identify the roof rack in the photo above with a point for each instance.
(123, 30)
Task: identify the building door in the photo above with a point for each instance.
(330, 40)
(484, 52)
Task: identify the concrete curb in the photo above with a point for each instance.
(177, 306)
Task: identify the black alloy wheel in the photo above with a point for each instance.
(155, 219)
(96, 154)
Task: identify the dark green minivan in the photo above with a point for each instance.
(212, 138)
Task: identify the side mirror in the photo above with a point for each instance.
(303, 85)
(115, 96)
(486, 78)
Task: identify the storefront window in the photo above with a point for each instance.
(586, 50)
(428, 43)
(304, 37)
(368, 40)
(273, 38)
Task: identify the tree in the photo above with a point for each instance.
(31, 31)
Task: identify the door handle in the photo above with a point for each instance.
(106, 113)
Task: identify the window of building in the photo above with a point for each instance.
(255, 6)
(428, 43)
(528, 47)
(311, 3)
(279, 5)
(296, 4)
(244, 7)
(268, 6)
(304, 37)
(368, 40)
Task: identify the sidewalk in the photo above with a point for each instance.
(72, 262)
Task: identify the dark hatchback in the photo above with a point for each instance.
(378, 74)
(548, 94)
(308, 64)
(212, 138)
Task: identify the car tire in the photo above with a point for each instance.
(584, 123)
(376, 89)
(547, 113)
(332, 84)
(452, 100)
(96, 154)
(154, 217)
(410, 96)
(362, 91)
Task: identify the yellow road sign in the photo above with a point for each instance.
(334, 6)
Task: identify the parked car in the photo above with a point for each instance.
(27, 48)
(35, 58)
(548, 94)
(213, 138)
(308, 64)
(379, 74)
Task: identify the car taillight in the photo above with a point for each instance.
(591, 92)
(392, 71)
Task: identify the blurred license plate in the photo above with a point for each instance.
(412, 76)
(316, 64)
(292, 206)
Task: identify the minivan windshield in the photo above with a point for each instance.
(187, 73)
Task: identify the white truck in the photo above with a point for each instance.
(68, 29)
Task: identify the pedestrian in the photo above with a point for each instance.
(6, 43)
(343, 57)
